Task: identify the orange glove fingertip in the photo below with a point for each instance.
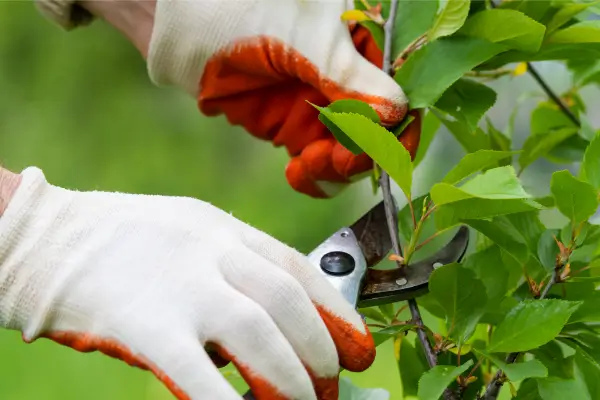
(299, 179)
(411, 136)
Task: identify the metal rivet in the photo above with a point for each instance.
(338, 263)
(437, 265)
(401, 281)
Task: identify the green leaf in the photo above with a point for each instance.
(490, 270)
(569, 150)
(547, 117)
(585, 71)
(589, 311)
(450, 19)
(509, 27)
(374, 28)
(405, 221)
(431, 125)
(354, 107)
(467, 101)
(575, 199)
(528, 391)
(582, 32)
(504, 235)
(387, 310)
(529, 227)
(591, 163)
(552, 356)
(499, 141)
(415, 18)
(565, 14)
(347, 106)
(373, 314)
(396, 329)
(462, 296)
(560, 389)
(348, 391)
(495, 184)
(518, 371)
(474, 162)
(378, 143)
(379, 339)
(470, 139)
(530, 324)
(431, 70)
(538, 145)
(537, 10)
(588, 371)
(433, 383)
(547, 249)
(451, 214)
(411, 364)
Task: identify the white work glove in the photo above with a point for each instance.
(151, 280)
(258, 62)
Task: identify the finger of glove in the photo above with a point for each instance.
(354, 343)
(288, 304)
(317, 156)
(366, 45)
(299, 178)
(177, 360)
(244, 333)
(353, 76)
(278, 112)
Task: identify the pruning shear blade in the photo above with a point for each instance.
(346, 257)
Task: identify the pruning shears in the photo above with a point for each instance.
(346, 257)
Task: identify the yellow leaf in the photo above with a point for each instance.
(465, 349)
(355, 15)
(520, 69)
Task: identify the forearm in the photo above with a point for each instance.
(134, 18)
(9, 182)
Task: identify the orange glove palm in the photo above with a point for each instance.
(270, 102)
(260, 65)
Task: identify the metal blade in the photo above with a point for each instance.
(389, 286)
(373, 235)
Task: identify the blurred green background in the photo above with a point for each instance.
(79, 105)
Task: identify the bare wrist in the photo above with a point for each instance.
(9, 182)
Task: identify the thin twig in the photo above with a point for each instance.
(493, 389)
(429, 239)
(549, 92)
(563, 107)
(392, 218)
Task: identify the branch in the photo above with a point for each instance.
(563, 107)
(392, 218)
(549, 92)
(493, 389)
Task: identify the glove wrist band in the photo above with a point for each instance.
(65, 13)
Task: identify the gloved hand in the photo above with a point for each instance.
(259, 62)
(152, 279)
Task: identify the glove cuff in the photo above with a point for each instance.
(23, 226)
(66, 13)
